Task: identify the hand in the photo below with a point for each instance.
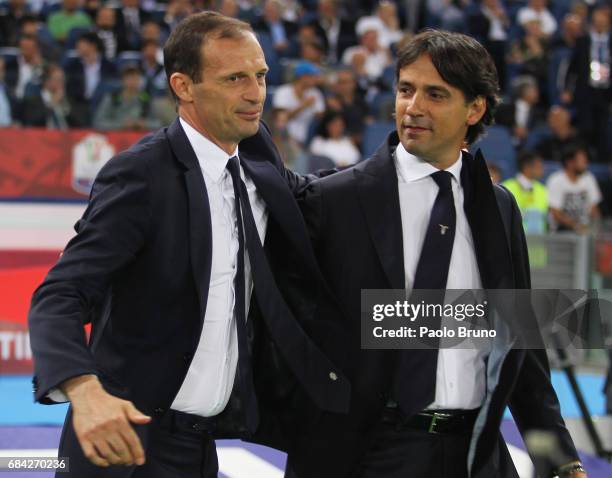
(102, 423)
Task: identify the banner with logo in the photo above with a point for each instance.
(40, 163)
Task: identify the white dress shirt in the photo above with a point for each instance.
(210, 377)
(460, 375)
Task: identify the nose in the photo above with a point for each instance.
(414, 105)
(255, 90)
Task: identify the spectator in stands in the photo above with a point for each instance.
(588, 82)
(31, 25)
(336, 32)
(130, 18)
(346, 99)
(448, 14)
(11, 15)
(523, 114)
(573, 193)
(113, 39)
(293, 155)
(152, 69)
(281, 31)
(536, 11)
(6, 118)
(70, 16)
(152, 31)
(387, 23)
(332, 141)
(530, 53)
(571, 30)
(301, 99)
(50, 107)
(87, 76)
(369, 58)
(314, 52)
(562, 135)
(26, 69)
(176, 11)
(530, 194)
(126, 109)
(490, 24)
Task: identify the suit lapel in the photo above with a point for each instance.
(379, 200)
(280, 202)
(488, 232)
(200, 227)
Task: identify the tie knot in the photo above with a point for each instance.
(442, 179)
(233, 166)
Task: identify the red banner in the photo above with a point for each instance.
(41, 163)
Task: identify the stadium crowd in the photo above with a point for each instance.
(95, 64)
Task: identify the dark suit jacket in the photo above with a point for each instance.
(75, 88)
(139, 270)
(355, 223)
(579, 71)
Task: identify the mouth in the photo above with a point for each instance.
(249, 115)
(414, 129)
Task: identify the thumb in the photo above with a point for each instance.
(136, 416)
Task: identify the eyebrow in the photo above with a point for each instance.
(428, 88)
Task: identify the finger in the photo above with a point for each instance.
(92, 454)
(106, 452)
(136, 416)
(120, 448)
(133, 442)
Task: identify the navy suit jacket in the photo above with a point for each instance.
(139, 271)
(355, 224)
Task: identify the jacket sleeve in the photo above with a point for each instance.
(534, 403)
(109, 235)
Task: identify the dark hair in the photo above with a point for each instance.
(183, 50)
(92, 38)
(48, 70)
(568, 153)
(328, 117)
(526, 158)
(463, 63)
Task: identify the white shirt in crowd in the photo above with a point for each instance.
(375, 63)
(576, 199)
(210, 377)
(548, 24)
(285, 98)
(341, 151)
(460, 375)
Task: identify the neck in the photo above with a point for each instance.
(186, 115)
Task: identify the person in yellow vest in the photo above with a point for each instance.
(530, 194)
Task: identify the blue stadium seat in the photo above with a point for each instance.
(374, 135)
(497, 147)
(535, 136)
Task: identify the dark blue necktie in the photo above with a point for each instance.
(245, 370)
(414, 385)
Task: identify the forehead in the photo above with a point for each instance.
(422, 71)
(242, 53)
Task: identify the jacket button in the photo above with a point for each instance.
(187, 357)
(333, 376)
(159, 411)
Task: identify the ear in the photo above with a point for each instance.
(476, 110)
(181, 85)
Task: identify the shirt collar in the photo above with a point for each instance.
(212, 159)
(524, 181)
(410, 168)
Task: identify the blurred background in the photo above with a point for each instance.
(80, 80)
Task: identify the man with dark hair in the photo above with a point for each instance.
(423, 214)
(574, 194)
(87, 78)
(165, 261)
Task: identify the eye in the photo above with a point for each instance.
(233, 78)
